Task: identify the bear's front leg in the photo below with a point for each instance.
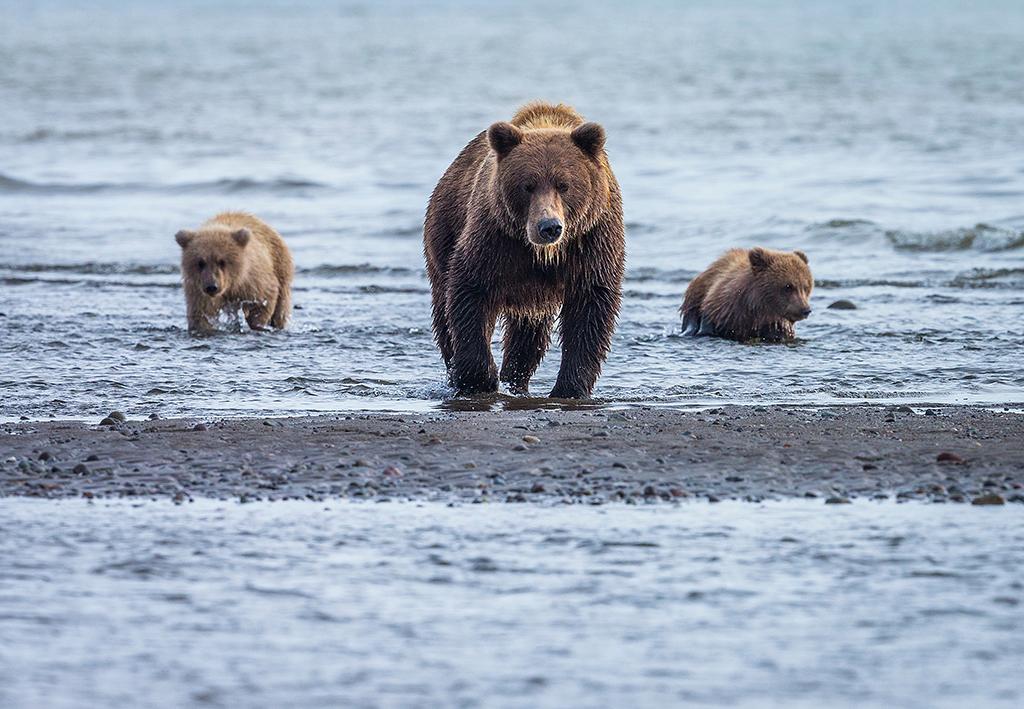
(257, 315)
(587, 323)
(471, 323)
(200, 318)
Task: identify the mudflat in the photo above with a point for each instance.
(939, 454)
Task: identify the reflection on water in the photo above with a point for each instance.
(301, 604)
(878, 137)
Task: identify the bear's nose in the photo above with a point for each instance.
(805, 312)
(550, 229)
(211, 289)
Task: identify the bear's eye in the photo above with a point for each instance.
(562, 187)
(789, 287)
(222, 263)
(529, 187)
(201, 264)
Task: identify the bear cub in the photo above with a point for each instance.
(235, 261)
(746, 295)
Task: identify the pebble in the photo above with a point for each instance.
(80, 469)
(531, 439)
(947, 457)
(199, 427)
(837, 501)
(537, 488)
(842, 305)
(107, 421)
(45, 455)
(392, 472)
(521, 447)
(117, 416)
(989, 498)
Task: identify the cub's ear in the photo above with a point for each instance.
(801, 255)
(759, 259)
(241, 236)
(589, 137)
(183, 237)
(503, 137)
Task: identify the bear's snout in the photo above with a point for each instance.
(212, 288)
(549, 230)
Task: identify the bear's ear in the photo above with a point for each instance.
(589, 137)
(759, 259)
(183, 237)
(801, 255)
(503, 137)
(241, 236)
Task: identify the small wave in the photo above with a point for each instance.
(989, 278)
(674, 275)
(982, 237)
(91, 268)
(1008, 278)
(356, 269)
(221, 186)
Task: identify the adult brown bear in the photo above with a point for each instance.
(527, 224)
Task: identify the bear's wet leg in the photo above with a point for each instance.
(471, 320)
(282, 310)
(587, 324)
(441, 332)
(200, 318)
(526, 341)
(257, 315)
(691, 322)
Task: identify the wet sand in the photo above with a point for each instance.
(940, 454)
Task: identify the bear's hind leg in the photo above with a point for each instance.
(526, 342)
(440, 326)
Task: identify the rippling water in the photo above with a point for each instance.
(884, 141)
(294, 604)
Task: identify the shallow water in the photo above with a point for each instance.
(301, 604)
(884, 141)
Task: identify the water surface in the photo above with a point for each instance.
(301, 604)
(883, 139)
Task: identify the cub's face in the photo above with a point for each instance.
(550, 181)
(211, 258)
(784, 282)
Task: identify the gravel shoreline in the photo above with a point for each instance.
(838, 454)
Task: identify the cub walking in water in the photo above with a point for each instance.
(746, 295)
(235, 261)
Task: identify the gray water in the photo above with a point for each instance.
(882, 138)
(298, 604)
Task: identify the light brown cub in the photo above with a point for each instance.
(745, 295)
(235, 261)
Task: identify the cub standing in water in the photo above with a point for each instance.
(235, 261)
(746, 295)
(526, 224)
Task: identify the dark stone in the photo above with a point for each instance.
(842, 305)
